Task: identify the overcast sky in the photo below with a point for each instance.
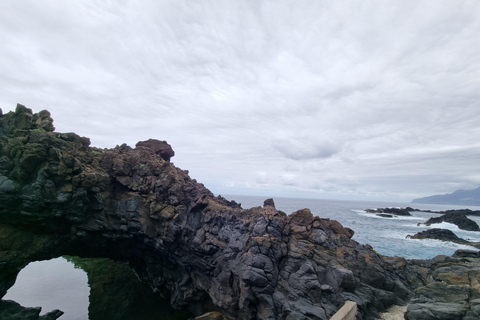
(327, 99)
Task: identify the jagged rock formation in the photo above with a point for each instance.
(162, 148)
(443, 235)
(458, 219)
(452, 291)
(58, 196)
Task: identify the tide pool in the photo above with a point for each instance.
(89, 289)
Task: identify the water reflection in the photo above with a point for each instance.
(114, 292)
(52, 284)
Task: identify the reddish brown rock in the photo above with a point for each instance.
(162, 148)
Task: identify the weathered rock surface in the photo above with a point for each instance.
(458, 219)
(452, 291)
(58, 196)
(162, 148)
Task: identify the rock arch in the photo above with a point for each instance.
(60, 196)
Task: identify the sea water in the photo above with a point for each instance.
(57, 284)
(386, 235)
(52, 284)
(106, 290)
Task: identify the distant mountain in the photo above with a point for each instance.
(459, 197)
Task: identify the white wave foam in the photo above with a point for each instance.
(465, 234)
(389, 234)
(434, 243)
(410, 218)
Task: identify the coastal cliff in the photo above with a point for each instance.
(459, 197)
(59, 196)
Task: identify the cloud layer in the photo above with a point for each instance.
(346, 99)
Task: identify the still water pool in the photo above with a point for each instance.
(53, 284)
(89, 289)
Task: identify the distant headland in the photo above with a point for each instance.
(459, 197)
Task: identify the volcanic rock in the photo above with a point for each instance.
(460, 220)
(444, 235)
(162, 148)
(59, 196)
(394, 211)
(452, 290)
(384, 215)
(269, 202)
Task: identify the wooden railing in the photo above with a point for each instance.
(347, 312)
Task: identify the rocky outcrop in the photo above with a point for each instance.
(161, 148)
(393, 211)
(444, 235)
(452, 291)
(458, 219)
(384, 215)
(58, 196)
(467, 212)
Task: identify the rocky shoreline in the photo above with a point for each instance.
(456, 217)
(443, 235)
(450, 293)
(452, 290)
(59, 196)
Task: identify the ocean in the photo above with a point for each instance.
(58, 284)
(386, 235)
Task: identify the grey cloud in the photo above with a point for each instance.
(297, 149)
(317, 96)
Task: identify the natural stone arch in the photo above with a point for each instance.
(208, 253)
